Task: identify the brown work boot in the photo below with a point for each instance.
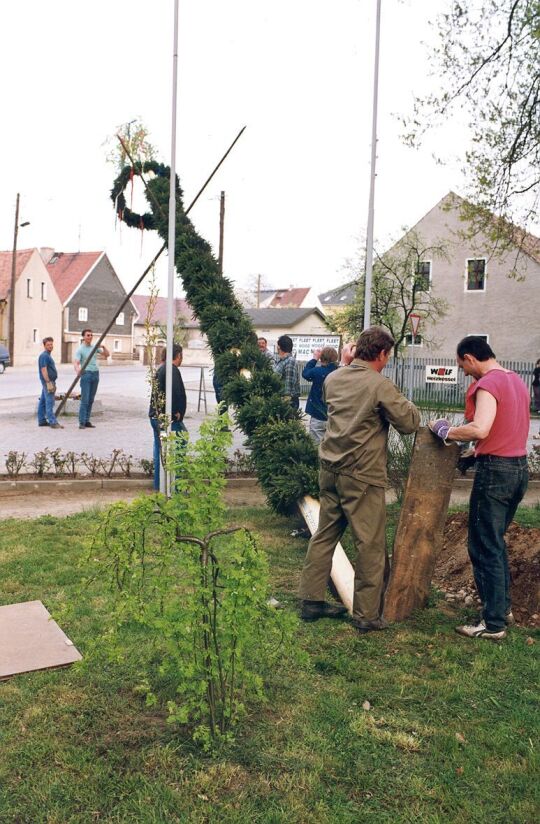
(313, 610)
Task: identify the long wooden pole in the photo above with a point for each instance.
(140, 280)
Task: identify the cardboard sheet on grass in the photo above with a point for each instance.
(30, 640)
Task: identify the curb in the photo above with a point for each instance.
(75, 484)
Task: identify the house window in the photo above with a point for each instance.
(117, 346)
(83, 313)
(476, 275)
(120, 319)
(422, 276)
(43, 290)
(29, 289)
(415, 340)
(35, 336)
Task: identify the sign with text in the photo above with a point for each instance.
(441, 374)
(303, 345)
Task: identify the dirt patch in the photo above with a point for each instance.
(453, 573)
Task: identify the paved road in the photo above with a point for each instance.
(121, 418)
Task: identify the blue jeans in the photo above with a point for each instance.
(89, 385)
(499, 485)
(45, 411)
(176, 426)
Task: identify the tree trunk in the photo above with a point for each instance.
(419, 535)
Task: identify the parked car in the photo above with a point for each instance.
(4, 358)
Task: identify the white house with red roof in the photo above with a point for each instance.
(90, 292)
(38, 310)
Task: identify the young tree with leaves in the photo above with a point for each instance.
(488, 65)
(400, 286)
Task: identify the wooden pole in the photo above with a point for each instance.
(419, 535)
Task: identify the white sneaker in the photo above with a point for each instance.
(480, 631)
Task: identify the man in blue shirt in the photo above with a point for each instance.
(47, 375)
(323, 363)
(89, 378)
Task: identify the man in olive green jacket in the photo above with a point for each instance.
(361, 406)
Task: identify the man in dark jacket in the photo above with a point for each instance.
(157, 405)
(316, 370)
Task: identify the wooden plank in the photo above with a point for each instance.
(419, 535)
(30, 640)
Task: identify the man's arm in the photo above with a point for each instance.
(77, 362)
(480, 427)
(401, 413)
(104, 351)
(44, 373)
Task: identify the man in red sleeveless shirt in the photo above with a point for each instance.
(497, 414)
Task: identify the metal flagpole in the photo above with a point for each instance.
(165, 484)
(371, 207)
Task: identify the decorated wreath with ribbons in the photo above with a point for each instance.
(284, 455)
(126, 176)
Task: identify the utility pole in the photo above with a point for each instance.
(13, 284)
(221, 228)
(12, 292)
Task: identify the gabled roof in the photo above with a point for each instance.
(69, 269)
(6, 259)
(290, 297)
(342, 294)
(280, 317)
(159, 314)
(527, 242)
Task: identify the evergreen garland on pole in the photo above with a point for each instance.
(285, 456)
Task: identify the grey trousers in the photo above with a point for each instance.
(345, 500)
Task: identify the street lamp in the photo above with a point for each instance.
(13, 282)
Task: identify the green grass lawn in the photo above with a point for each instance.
(450, 732)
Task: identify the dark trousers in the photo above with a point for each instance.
(176, 426)
(499, 485)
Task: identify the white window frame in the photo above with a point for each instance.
(29, 288)
(411, 341)
(83, 314)
(466, 284)
(428, 290)
(120, 320)
(117, 345)
(35, 335)
(43, 290)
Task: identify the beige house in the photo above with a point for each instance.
(483, 298)
(272, 323)
(38, 311)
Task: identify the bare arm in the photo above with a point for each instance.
(77, 366)
(480, 426)
(44, 373)
(105, 351)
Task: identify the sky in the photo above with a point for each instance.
(297, 73)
